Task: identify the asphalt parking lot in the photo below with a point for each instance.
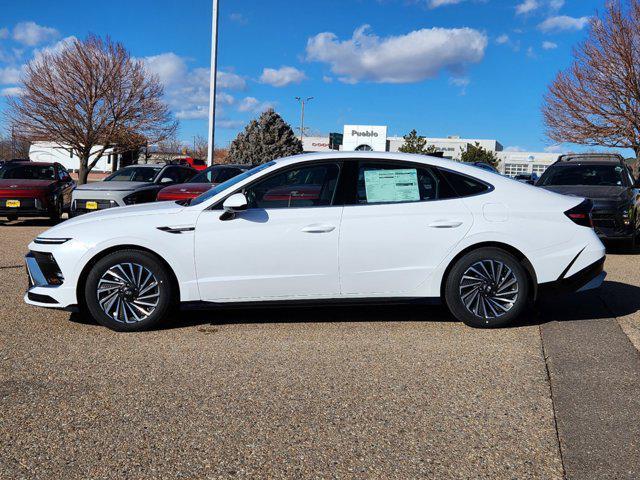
(394, 392)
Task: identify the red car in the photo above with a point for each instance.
(194, 163)
(34, 189)
(202, 182)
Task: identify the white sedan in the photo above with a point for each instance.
(325, 228)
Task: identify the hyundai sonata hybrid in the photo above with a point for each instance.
(340, 228)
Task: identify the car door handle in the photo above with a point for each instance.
(318, 228)
(445, 224)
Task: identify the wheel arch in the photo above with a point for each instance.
(522, 258)
(103, 253)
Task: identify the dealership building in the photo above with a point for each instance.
(374, 138)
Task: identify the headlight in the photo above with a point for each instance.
(50, 241)
(132, 199)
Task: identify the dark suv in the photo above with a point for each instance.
(607, 181)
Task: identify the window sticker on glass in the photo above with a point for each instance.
(392, 185)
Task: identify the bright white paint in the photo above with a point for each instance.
(399, 250)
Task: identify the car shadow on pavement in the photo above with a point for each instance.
(30, 222)
(621, 300)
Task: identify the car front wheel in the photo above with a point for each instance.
(129, 290)
(487, 288)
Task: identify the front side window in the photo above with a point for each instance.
(134, 174)
(308, 186)
(378, 183)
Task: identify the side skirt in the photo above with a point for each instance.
(306, 303)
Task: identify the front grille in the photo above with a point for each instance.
(603, 220)
(25, 203)
(102, 204)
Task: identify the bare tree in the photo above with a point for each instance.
(597, 100)
(200, 147)
(91, 96)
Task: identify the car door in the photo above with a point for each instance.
(284, 246)
(404, 219)
(65, 185)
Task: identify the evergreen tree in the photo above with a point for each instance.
(475, 153)
(415, 144)
(265, 139)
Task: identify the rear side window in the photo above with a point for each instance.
(463, 185)
(398, 183)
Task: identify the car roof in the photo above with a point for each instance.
(602, 158)
(146, 165)
(38, 164)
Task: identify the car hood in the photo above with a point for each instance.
(24, 184)
(598, 192)
(113, 186)
(82, 223)
(188, 188)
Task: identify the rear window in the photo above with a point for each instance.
(591, 175)
(463, 185)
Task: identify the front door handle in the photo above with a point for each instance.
(319, 228)
(445, 224)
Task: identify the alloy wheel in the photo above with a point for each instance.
(128, 292)
(489, 289)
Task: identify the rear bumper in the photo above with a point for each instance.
(24, 212)
(589, 278)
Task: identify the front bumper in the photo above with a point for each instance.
(46, 287)
(29, 207)
(589, 278)
(79, 206)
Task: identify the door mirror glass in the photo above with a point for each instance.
(166, 180)
(235, 203)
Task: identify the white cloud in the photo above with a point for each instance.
(461, 82)
(282, 76)
(527, 6)
(55, 48)
(169, 67)
(11, 91)
(554, 149)
(238, 18)
(252, 104)
(229, 124)
(187, 89)
(502, 39)
(32, 34)
(549, 45)
(327, 79)
(562, 23)
(230, 80)
(441, 3)
(514, 148)
(409, 58)
(556, 4)
(9, 75)
(4, 33)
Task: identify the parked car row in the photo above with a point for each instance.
(36, 189)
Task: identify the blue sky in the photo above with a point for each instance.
(475, 68)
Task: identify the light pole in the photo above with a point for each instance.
(212, 88)
(303, 102)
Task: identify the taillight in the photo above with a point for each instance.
(581, 214)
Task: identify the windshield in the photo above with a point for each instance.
(229, 183)
(216, 175)
(28, 172)
(134, 174)
(591, 175)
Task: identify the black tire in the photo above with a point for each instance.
(129, 295)
(488, 299)
(12, 218)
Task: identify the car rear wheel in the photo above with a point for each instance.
(128, 291)
(12, 218)
(487, 288)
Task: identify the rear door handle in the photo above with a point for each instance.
(318, 228)
(445, 224)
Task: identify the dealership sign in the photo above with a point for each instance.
(365, 137)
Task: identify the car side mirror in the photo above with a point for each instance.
(236, 203)
(166, 180)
